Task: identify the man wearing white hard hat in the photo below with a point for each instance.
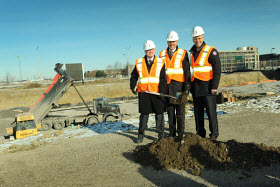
(205, 80)
(150, 74)
(178, 80)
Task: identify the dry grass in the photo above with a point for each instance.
(22, 97)
(109, 88)
(94, 91)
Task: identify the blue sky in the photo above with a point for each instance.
(98, 33)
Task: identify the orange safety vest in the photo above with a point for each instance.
(174, 66)
(149, 81)
(201, 68)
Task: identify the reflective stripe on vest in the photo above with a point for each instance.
(174, 66)
(178, 58)
(162, 54)
(204, 55)
(149, 81)
(146, 80)
(202, 69)
(139, 66)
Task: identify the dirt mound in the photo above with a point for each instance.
(241, 78)
(17, 148)
(194, 152)
(32, 85)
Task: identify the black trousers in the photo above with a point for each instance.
(208, 102)
(144, 120)
(176, 114)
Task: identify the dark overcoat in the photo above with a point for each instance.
(174, 86)
(203, 88)
(149, 103)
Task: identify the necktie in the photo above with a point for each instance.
(171, 54)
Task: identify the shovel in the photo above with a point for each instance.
(180, 97)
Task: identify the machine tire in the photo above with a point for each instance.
(58, 125)
(46, 125)
(92, 120)
(110, 118)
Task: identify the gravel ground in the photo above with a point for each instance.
(257, 88)
(106, 159)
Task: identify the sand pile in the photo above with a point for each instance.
(195, 152)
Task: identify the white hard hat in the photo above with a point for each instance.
(197, 31)
(172, 36)
(149, 44)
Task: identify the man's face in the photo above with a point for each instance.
(198, 40)
(150, 53)
(172, 44)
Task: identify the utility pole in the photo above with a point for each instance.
(271, 61)
(272, 49)
(128, 55)
(19, 69)
(38, 61)
(126, 59)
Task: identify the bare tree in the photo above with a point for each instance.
(117, 65)
(9, 78)
(110, 67)
(125, 66)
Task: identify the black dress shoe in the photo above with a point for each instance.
(171, 136)
(139, 140)
(213, 139)
(180, 136)
(160, 136)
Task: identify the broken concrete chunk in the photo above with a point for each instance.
(270, 93)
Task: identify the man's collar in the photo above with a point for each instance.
(149, 58)
(173, 50)
(194, 48)
(152, 59)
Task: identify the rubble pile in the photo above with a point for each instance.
(271, 104)
(194, 152)
(267, 104)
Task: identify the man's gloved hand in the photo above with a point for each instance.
(162, 97)
(134, 90)
(214, 91)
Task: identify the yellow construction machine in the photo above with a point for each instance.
(28, 124)
(25, 126)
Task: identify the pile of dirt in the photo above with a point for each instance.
(241, 78)
(17, 148)
(194, 152)
(32, 85)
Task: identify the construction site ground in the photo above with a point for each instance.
(247, 153)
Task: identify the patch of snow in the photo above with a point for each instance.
(268, 104)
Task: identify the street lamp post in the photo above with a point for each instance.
(19, 69)
(126, 64)
(271, 59)
(38, 61)
(126, 59)
(127, 56)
